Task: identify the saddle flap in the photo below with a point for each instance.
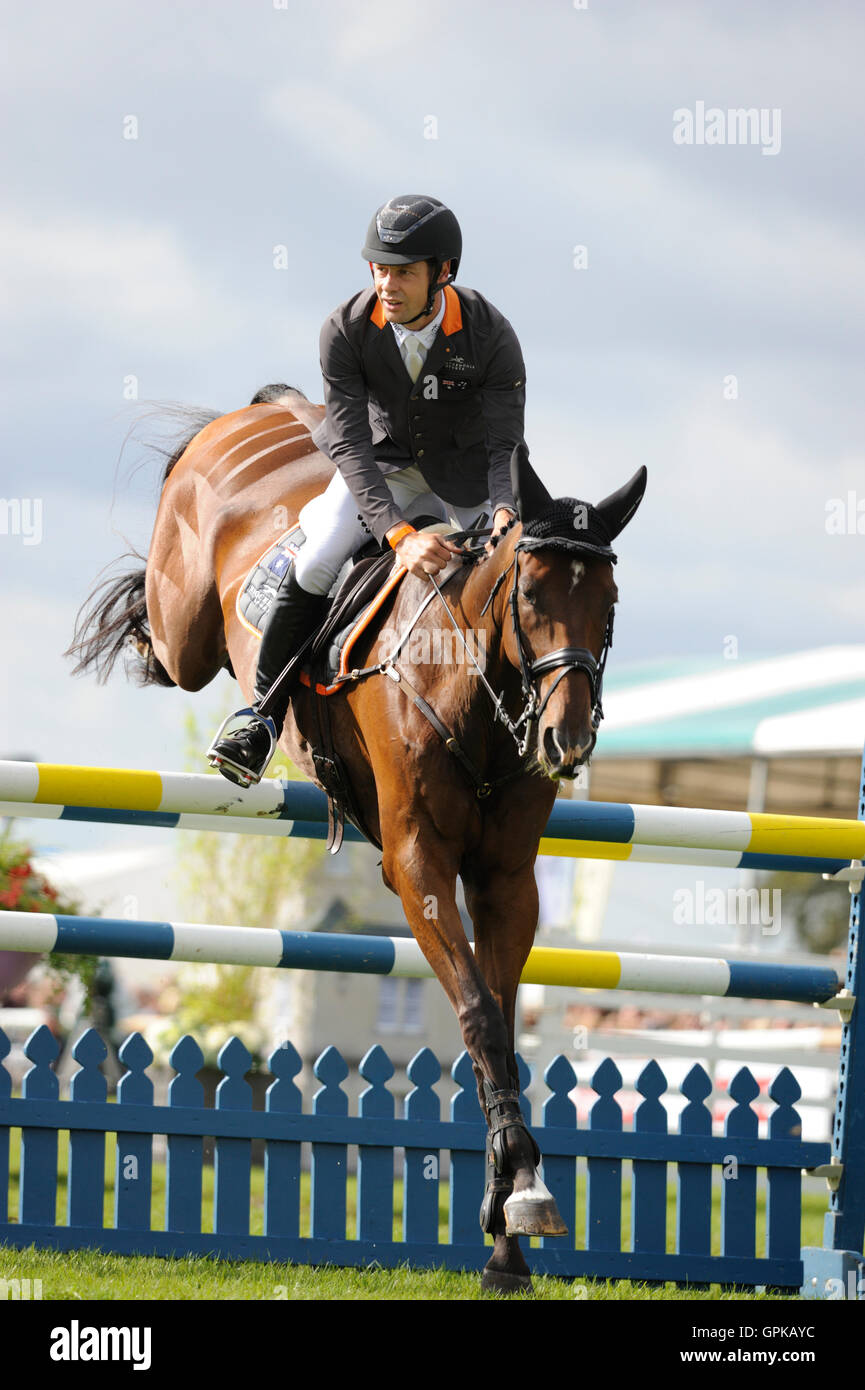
(362, 588)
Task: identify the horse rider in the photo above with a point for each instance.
(424, 389)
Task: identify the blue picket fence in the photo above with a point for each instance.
(421, 1136)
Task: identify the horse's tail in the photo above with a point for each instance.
(112, 622)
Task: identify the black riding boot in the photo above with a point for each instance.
(243, 755)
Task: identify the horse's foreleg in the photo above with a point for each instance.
(504, 909)
(427, 889)
(426, 883)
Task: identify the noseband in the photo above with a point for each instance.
(531, 671)
(566, 658)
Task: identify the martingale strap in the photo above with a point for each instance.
(483, 785)
(563, 660)
(568, 658)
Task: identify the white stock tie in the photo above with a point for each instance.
(413, 360)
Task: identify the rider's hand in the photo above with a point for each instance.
(500, 521)
(425, 553)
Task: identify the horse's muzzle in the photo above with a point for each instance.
(560, 759)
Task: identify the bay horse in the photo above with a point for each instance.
(539, 605)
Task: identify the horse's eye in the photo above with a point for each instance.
(529, 594)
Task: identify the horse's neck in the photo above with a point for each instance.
(492, 573)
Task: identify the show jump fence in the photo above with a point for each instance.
(420, 1135)
(317, 1231)
(401, 956)
(582, 829)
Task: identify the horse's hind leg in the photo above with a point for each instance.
(504, 910)
(186, 628)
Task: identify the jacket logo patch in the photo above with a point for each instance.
(459, 364)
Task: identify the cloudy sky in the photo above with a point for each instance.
(710, 326)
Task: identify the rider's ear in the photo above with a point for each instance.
(530, 495)
(619, 507)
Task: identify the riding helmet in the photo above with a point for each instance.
(413, 228)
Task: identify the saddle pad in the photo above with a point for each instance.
(257, 590)
(257, 593)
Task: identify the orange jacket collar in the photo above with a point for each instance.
(453, 317)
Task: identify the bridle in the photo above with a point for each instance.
(563, 659)
(566, 658)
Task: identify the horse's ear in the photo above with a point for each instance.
(530, 495)
(619, 507)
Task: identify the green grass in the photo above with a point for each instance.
(92, 1275)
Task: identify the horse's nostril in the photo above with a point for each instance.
(558, 753)
(553, 749)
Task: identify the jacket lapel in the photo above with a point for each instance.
(446, 343)
(386, 355)
(437, 356)
(449, 340)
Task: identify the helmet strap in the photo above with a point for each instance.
(434, 288)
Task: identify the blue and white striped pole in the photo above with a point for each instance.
(401, 956)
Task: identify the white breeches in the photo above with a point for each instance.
(333, 532)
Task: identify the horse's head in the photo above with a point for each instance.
(561, 604)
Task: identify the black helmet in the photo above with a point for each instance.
(415, 228)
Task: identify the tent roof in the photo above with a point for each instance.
(689, 731)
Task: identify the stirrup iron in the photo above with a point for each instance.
(236, 772)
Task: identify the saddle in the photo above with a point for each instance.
(361, 591)
(363, 584)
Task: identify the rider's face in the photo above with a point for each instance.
(402, 290)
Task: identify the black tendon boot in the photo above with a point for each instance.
(243, 755)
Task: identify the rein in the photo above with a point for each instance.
(531, 671)
(563, 660)
(568, 658)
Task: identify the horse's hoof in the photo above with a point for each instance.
(533, 1212)
(499, 1281)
